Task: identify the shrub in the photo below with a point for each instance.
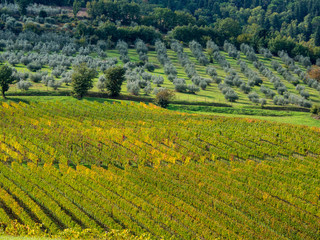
(24, 85)
(193, 88)
(203, 84)
(253, 97)
(147, 89)
(180, 85)
(305, 94)
(101, 84)
(34, 66)
(158, 80)
(150, 67)
(245, 88)
(133, 88)
(262, 102)
(315, 109)
(164, 97)
(36, 77)
(54, 84)
(231, 95)
(157, 90)
(279, 100)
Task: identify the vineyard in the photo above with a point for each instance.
(173, 175)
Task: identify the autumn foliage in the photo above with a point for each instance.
(314, 73)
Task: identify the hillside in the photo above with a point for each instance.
(86, 151)
(145, 169)
(48, 68)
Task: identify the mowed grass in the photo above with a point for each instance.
(291, 117)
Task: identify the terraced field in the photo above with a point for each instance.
(174, 175)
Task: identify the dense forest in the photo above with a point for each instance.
(290, 25)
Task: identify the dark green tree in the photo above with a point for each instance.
(82, 80)
(6, 78)
(76, 7)
(228, 27)
(23, 4)
(114, 79)
(317, 37)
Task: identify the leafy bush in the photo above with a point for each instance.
(158, 80)
(133, 88)
(24, 85)
(315, 109)
(193, 88)
(231, 95)
(150, 67)
(34, 66)
(164, 97)
(54, 84)
(36, 77)
(254, 97)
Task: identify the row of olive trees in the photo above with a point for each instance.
(142, 50)
(304, 61)
(36, 61)
(253, 78)
(169, 68)
(284, 72)
(286, 97)
(297, 70)
(197, 51)
(122, 47)
(33, 9)
(232, 78)
(189, 67)
(255, 98)
(138, 79)
(266, 53)
(266, 72)
(293, 99)
(231, 50)
(214, 53)
(249, 52)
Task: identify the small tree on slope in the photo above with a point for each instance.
(82, 80)
(6, 78)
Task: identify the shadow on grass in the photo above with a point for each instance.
(231, 111)
(16, 100)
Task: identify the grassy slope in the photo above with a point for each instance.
(211, 94)
(297, 118)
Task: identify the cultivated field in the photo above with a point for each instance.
(80, 165)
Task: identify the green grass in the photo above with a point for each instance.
(291, 117)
